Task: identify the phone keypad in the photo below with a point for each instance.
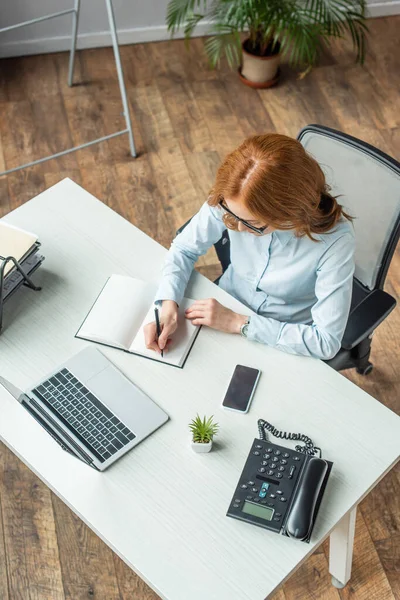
(268, 479)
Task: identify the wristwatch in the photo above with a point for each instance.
(245, 328)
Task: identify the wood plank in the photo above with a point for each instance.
(27, 77)
(138, 70)
(52, 133)
(294, 103)
(184, 62)
(61, 62)
(98, 71)
(166, 159)
(279, 595)
(2, 161)
(392, 141)
(24, 185)
(368, 579)
(247, 105)
(29, 534)
(349, 109)
(354, 84)
(203, 168)
(381, 508)
(51, 179)
(191, 130)
(4, 196)
(3, 557)
(142, 199)
(42, 131)
(212, 271)
(313, 580)
(155, 125)
(84, 114)
(213, 102)
(130, 585)
(382, 101)
(383, 62)
(104, 184)
(20, 141)
(12, 516)
(86, 562)
(389, 555)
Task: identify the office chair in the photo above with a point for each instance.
(368, 181)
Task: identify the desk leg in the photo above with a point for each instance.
(341, 549)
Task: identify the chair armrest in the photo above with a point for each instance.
(366, 317)
(182, 227)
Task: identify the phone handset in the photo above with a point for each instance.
(302, 511)
(310, 485)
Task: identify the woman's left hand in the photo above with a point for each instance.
(211, 313)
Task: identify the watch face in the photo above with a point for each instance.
(245, 329)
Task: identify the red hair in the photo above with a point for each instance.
(279, 183)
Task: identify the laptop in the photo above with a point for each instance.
(91, 409)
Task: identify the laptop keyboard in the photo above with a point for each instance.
(84, 415)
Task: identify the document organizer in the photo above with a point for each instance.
(11, 282)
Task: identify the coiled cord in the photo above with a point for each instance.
(308, 448)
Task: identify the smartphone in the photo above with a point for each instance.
(241, 389)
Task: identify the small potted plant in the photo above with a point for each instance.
(203, 431)
(272, 29)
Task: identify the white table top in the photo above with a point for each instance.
(162, 507)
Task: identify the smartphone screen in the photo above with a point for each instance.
(241, 388)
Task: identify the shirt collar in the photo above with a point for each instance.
(283, 236)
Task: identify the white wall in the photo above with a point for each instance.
(137, 21)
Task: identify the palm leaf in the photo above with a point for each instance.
(224, 41)
(191, 23)
(178, 11)
(300, 26)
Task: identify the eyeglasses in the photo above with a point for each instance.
(259, 230)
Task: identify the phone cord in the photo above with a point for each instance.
(308, 448)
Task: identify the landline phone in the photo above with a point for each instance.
(281, 489)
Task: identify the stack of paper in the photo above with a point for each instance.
(17, 243)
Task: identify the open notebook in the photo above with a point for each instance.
(117, 318)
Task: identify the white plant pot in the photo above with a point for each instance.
(199, 447)
(259, 71)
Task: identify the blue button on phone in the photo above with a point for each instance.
(263, 490)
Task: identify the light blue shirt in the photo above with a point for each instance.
(300, 290)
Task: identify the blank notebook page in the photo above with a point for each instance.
(119, 311)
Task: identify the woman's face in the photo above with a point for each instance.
(240, 210)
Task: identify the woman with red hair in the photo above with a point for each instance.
(291, 245)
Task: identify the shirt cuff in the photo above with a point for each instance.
(170, 289)
(264, 330)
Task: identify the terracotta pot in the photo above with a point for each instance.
(259, 71)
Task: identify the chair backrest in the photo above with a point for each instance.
(369, 184)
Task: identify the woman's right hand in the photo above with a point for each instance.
(168, 324)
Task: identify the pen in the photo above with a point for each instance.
(158, 326)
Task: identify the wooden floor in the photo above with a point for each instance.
(186, 119)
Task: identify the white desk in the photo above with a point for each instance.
(162, 507)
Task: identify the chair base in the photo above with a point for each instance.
(366, 370)
(356, 358)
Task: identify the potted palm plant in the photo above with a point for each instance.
(203, 432)
(274, 29)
